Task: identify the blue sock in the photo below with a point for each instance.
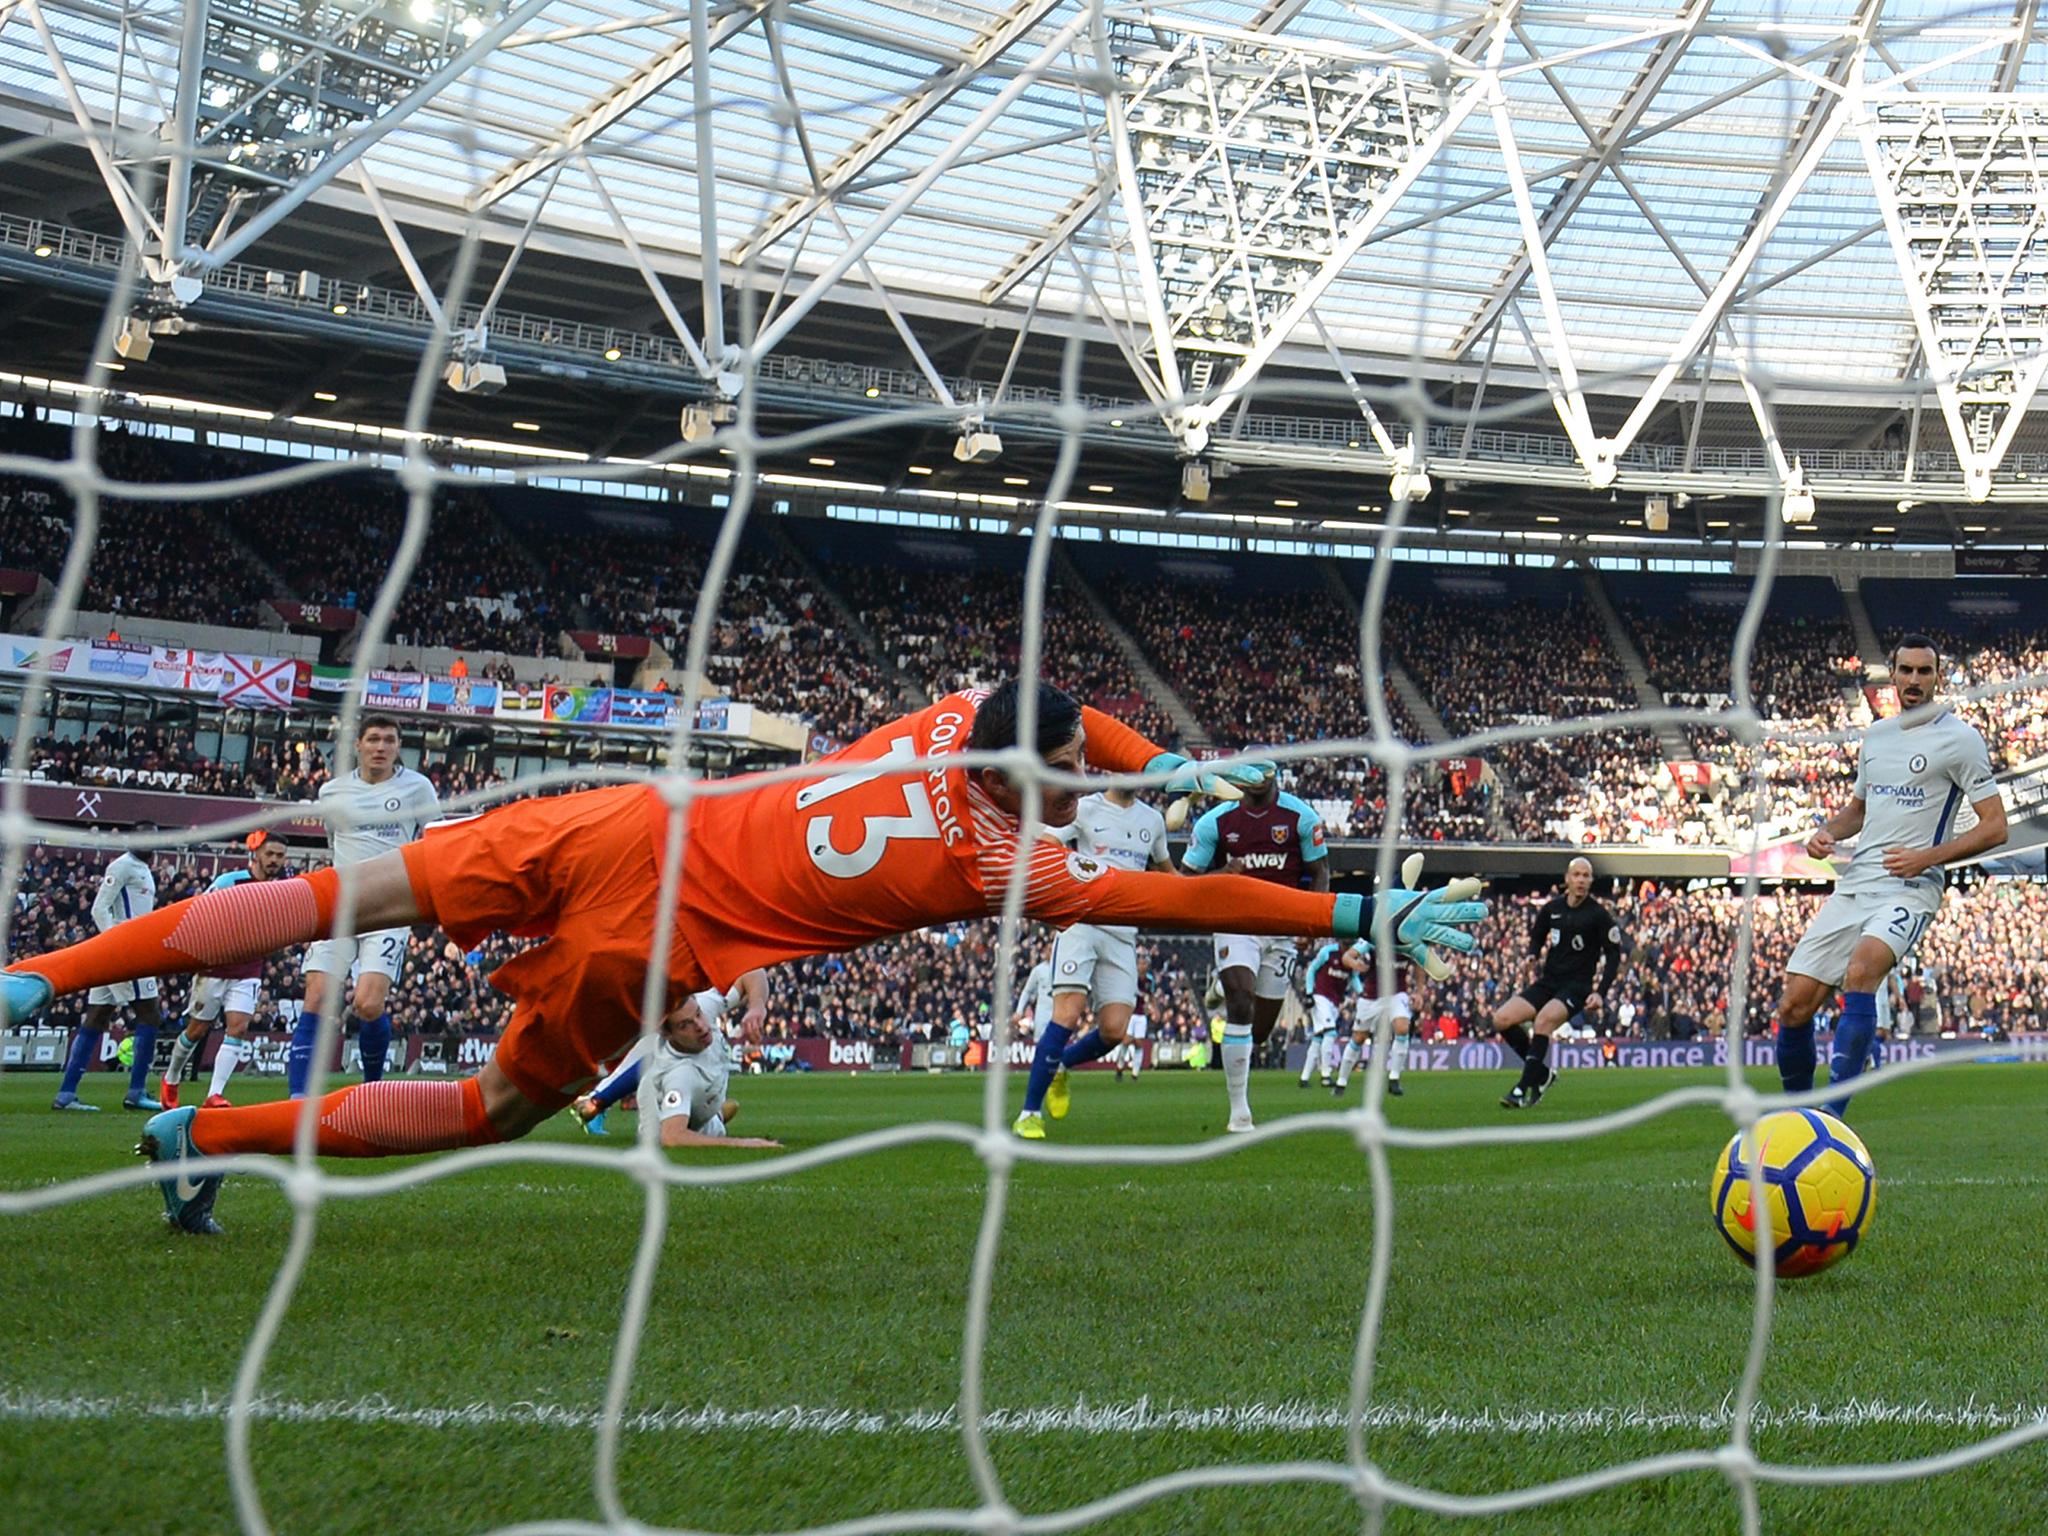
(1045, 1062)
(1796, 1056)
(1876, 1052)
(374, 1037)
(1090, 1047)
(85, 1049)
(1858, 1027)
(298, 1061)
(620, 1085)
(145, 1054)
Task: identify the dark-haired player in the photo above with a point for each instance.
(1575, 936)
(1915, 774)
(1274, 837)
(874, 842)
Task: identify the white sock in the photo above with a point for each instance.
(1237, 1073)
(181, 1057)
(1397, 1058)
(1350, 1060)
(225, 1063)
(1310, 1057)
(1330, 1051)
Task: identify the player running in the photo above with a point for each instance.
(1371, 1008)
(1277, 839)
(127, 889)
(1575, 936)
(769, 872)
(623, 1081)
(388, 806)
(1332, 977)
(1914, 774)
(1092, 967)
(232, 991)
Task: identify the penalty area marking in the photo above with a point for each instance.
(1139, 1416)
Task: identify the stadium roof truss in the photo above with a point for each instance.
(1612, 208)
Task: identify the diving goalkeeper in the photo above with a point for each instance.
(770, 873)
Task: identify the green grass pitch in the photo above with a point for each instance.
(1554, 1310)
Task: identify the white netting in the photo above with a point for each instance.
(1077, 53)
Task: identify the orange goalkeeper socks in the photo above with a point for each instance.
(366, 1120)
(244, 922)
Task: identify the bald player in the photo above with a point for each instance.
(1575, 937)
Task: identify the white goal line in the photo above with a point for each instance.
(1082, 1417)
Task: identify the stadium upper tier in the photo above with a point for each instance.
(1614, 211)
(843, 623)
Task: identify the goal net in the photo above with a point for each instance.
(1226, 174)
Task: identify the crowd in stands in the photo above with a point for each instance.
(948, 629)
(169, 757)
(1278, 668)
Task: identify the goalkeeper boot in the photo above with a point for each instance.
(1059, 1095)
(1030, 1126)
(188, 1202)
(23, 995)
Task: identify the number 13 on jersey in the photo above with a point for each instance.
(917, 822)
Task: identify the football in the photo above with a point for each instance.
(1819, 1191)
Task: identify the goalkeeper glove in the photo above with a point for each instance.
(1191, 778)
(1420, 922)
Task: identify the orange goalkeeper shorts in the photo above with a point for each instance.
(583, 870)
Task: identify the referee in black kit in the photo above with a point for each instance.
(1575, 936)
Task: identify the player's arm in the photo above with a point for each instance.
(1845, 823)
(106, 901)
(1610, 961)
(1314, 850)
(1114, 747)
(676, 1132)
(754, 994)
(1538, 926)
(1200, 855)
(1989, 832)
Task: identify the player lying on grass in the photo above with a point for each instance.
(684, 1079)
(623, 1081)
(768, 873)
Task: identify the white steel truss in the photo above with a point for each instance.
(1252, 169)
(1963, 185)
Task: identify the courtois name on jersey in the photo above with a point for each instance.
(386, 816)
(1914, 781)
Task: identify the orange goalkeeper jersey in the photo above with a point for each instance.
(809, 866)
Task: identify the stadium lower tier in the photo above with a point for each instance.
(1982, 967)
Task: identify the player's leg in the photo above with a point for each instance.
(1112, 974)
(1322, 1025)
(1537, 1073)
(622, 1082)
(201, 1009)
(1397, 1051)
(1511, 1021)
(1047, 1074)
(234, 1048)
(380, 957)
(85, 1047)
(1356, 1045)
(1237, 962)
(1887, 935)
(320, 960)
(1818, 965)
(244, 922)
(1331, 1051)
(149, 1019)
